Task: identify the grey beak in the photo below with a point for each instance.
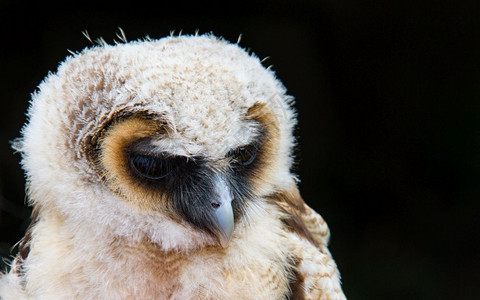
(223, 212)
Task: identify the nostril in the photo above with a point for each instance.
(215, 205)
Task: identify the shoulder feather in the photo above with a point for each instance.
(24, 245)
(300, 218)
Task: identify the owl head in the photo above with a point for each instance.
(178, 140)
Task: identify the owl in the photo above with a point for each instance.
(161, 169)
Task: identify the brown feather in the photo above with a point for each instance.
(296, 284)
(292, 206)
(24, 244)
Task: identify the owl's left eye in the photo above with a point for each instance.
(244, 155)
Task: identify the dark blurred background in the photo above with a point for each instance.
(388, 97)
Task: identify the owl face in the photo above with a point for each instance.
(191, 131)
(146, 163)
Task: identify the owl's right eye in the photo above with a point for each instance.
(151, 167)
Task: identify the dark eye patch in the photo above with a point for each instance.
(188, 183)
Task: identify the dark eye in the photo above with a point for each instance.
(244, 155)
(151, 167)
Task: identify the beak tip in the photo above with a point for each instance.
(224, 241)
(225, 232)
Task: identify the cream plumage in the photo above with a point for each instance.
(161, 170)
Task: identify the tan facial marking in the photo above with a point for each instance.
(261, 113)
(114, 163)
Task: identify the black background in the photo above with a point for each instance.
(388, 99)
